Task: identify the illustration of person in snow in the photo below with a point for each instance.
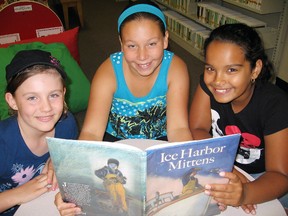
(113, 181)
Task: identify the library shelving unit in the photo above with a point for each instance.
(190, 21)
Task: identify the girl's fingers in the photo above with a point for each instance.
(233, 178)
(249, 209)
(230, 193)
(222, 206)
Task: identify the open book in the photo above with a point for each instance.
(142, 177)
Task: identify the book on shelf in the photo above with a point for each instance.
(187, 7)
(182, 26)
(260, 6)
(200, 37)
(142, 177)
(214, 15)
(173, 20)
(256, 4)
(188, 30)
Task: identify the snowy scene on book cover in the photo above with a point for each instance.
(176, 176)
(116, 179)
(101, 179)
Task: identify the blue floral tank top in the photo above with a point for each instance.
(139, 117)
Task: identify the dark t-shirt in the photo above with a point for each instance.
(266, 113)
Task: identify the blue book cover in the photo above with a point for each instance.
(141, 177)
(177, 174)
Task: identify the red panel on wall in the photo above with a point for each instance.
(26, 19)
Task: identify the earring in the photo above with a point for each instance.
(252, 81)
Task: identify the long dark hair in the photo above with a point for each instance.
(249, 40)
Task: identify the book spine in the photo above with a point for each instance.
(214, 15)
(144, 180)
(182, 26)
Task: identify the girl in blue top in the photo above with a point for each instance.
(35, 93)
(142, 91)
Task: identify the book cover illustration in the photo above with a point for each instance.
(105, 179)
(117, 179)
(176, 176)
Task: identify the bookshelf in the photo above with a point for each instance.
(190, 21)
(260, 6)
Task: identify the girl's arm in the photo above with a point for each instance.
(276, 151)
(200, 115)
(271, 185)
(200, 124)
(177, 101)
(102, 88)
(24, 193)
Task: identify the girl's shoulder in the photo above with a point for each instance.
(9, 133)
(176, 61)
(178, 68)
(116, 56)
(116, 59)
(269, 91)
(168, 54)
(67, 127)
(9, 123)
(270, 104)
(104, 73)
(67, 120)
(269, 98)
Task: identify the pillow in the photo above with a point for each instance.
(69, 38)
(78, 86)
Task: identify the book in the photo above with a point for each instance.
(182, 26)
(214, 15)
(142, 177)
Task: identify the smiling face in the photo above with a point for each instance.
(39, 101)
(142, 43)
(228, 74)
